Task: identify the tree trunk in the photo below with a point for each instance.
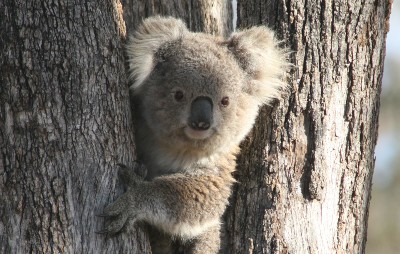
(305, 172)
(65, 119)
(209, 16)
(65, 123)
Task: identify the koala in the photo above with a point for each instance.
(196, 97)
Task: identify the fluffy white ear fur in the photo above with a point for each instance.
(259, 54)
(148, 38)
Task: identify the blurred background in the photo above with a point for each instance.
(384, 212)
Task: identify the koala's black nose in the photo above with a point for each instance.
(201, 113)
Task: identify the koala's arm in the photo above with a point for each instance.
(179, 204)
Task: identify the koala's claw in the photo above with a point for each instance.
(115, 226)
(117, 215)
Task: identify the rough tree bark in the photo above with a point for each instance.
(305, 172)
(209, 16)
(65, 118)
(65, 123)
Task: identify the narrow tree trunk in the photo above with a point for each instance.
(305, 172)
(65, 123)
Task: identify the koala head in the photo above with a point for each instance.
(199, 93)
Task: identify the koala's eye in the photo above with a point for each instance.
(178, 95)
(225, 101)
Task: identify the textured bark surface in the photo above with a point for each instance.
(305, 172)
(209, 16)
(65, 118)
(64, 124)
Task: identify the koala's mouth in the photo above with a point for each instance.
(197, 134)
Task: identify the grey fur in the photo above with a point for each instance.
(189, 177)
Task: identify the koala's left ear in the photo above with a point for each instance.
(259, 55)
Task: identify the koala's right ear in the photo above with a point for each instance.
(148, 38)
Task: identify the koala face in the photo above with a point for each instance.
(195, 96)
(200, 93)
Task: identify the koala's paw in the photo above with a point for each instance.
(117, 215)
(123, 209)
(130, 177)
